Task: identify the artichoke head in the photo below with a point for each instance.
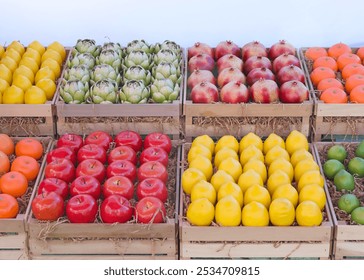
(105, 72)
(80, 72)
(113, 46)
(164, 91)
(166, 56)
(87, 46)
(137, 73)
(168, 45)
(139, 45)
(166, 70)
(110, 57)
(103, 92)
(85, 59)
(74, 92)
(134, 92)
(141, 58)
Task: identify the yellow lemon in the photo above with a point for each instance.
(314, 193)
(48, 86)
(255, 214)
(257, 193)
(232, 166)
(257, 166)
(200, 212)
(49, 53)
(24, 71)
(251, 152)
(190, 177)
(274, 153)
(276, 179)
(17, 46)
(13, 95)
(204, 164)
(37, 46)
(281, 164)
(3, 85)
(308, 214)
(310, 177)
(233, 189)
(273, 140)
(223, 154)
(22, 82)
(299, 155)
(286, 191)
(206, 141)
(219, 178)
(281, 212)
(34, 55)
(203, 189)
(44, 73)
(198, 149)
(2, 51)
(228, 212)
(58, 47)
(295, 141)
(30, 63)
(9, 63)
(13, 54)
(304, 166)
(5, 73)
(228, 141)
(53, 65)
(250, 139)
(35, 95)
(249, 178)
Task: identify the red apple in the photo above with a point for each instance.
(234, 92)
(150, 210)
(264, 91)
(254, 48)
(91, 167)
(81, 208)
(48, 206)
(129, 138)
(120, 185)
(257, 62)
(86, 184)
(152, 169)
(116, 209)
(62, 152)
(228, 61)
(70, 140)
(259, 73)
(152, 187)
(293, 92)
(279, 48)
(158, 139)
(123, 152)
(202, 62)
(228, 75)
(285, 60)
(227, 47)
(204, 92)
(122, 168)
(91, 151)
(56, 185)
(199, 76)
(60, 168)
(199, 48)
(290, 73)
(154, 154)
(100, 138)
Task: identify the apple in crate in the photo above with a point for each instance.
(70, 140)
(228, 61)
(152, 187)
(129, 138)
(154, 154)
(122, 168)
(56, 185)
(227, 47)
(234, 92)
(48, 206)
(152, 169)
(259, 73)
(92, 167)
(199, 48)
(264, 91)
(290, 73)
(86, 184)
(122, 152)
(293, 92)
(257, 62)
(62, 152)
(100, 138)
(280, 48)
(91, 151)
(150, 210)
(199, 76)
(205, 92)
(202, 62)
(285, 60)
(120, 185)
(60, 168)
(116, 209)
(81, 208)
(228, 75)
(157, 139)
(254, 48)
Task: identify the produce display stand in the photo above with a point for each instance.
(13, 233)
(348, 239)
(333, 119)
(64, 240)
(239, 119)
(201, 242)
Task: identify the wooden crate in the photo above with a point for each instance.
(219, 118)
(348, 241)
(333, 119)
(64, 240)
(13, 235)
(201, 242)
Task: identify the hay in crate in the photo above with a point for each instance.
(28, 125)
(352, 123)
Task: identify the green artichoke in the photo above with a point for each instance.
(74, 92)
(139, 58)
(87, 46)
(113, 46)
(134, 92)
(110, 57)
(103, 92)
(137, 73)
(82, 59)
(166, 56)
(105, 72)
(139, 45)
(168, 45)
(80, 72)
(164, 91)
(166, 70)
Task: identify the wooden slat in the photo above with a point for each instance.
(13, 241)
(349, 249)
(350, 233)
(105, 257)
(13, 255)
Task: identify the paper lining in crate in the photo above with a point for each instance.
(348, 241)
(30, 119)
(333, 119)
(13, 234)
(64, 240)
(220, 118)
(281, 242)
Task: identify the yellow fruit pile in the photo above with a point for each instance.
(28, 75)
(253, 183)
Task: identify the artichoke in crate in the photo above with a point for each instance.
(141, 58)
(137, 73)
(166, 70)
(80, 72)
(164, 91)
(113, 46)
(110, 57)
(166, 56)
(87, 46)
(105, 72)
(134, 92)
(168, 45)
(74, 92)
(103, 92)
(82, 59)
(139, 45)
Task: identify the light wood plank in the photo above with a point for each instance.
(13, 241)
(104, 257)
(13, 255)
(349, 249)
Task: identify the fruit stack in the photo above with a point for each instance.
(253, 183)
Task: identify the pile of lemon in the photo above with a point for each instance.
(253, 183)
(28, 75)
